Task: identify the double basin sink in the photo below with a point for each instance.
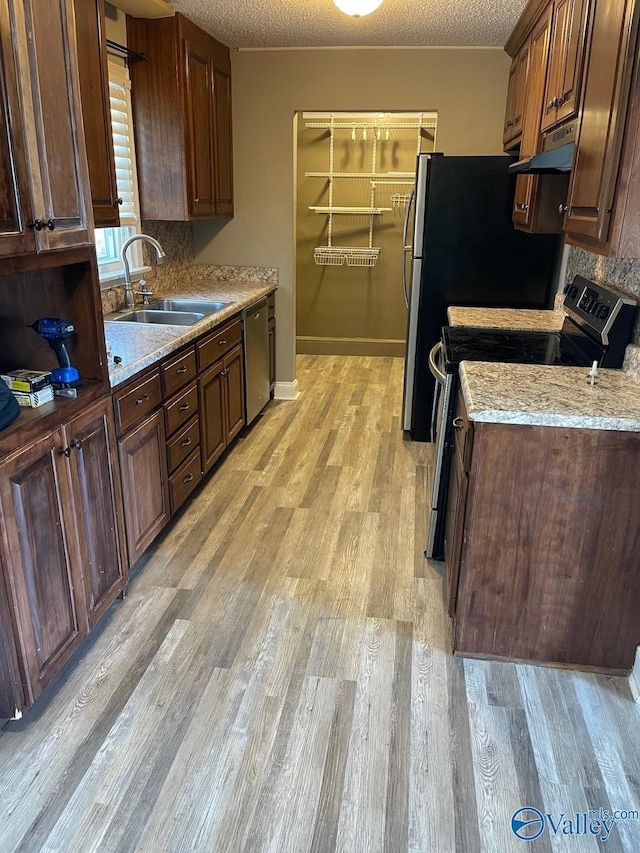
(172, 312)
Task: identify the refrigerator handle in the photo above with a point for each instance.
(406, 248)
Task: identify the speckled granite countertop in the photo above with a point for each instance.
(506, 318)
(140, 345)
(543, 395)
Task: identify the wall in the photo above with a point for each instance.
(467, 87)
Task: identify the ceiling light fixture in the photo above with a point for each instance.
(357, 8)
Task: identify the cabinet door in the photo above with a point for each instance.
(97, 498)
(46, 587)
(96, 111)
(565, 62)
(51, 103)
(212, 406)
(527, 185)
(224, 143)
(15, 203)
(518, 77)
(612, 35)
(145, 491)
(234, 381)
(199, 130)
(571, 75)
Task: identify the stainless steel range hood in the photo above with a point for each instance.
(556, 157)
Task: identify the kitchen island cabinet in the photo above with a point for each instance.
(548, 567)
(61, 540)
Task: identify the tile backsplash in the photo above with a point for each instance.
(179, 269)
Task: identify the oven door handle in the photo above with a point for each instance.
(433, 367)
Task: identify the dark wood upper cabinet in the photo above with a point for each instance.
(516, 94)
(200, 129)
(604, 197)
(561, 93)
(96, 111)
(51, 114)
(223, 137)
(182, 116)
(15, 202)
(537, 198)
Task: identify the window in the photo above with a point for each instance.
(110, 240)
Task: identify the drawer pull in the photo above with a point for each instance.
(457, 423)
(185, 443)
(222, 342)
(182, 370)
(76, 444)
(185, 407)
(142, 400)
(66, 452)
(188, 479)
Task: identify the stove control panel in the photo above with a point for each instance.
(599, 310)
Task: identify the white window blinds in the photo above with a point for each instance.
(123, 144)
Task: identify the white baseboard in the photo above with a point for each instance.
(286, 390)
(634, 678)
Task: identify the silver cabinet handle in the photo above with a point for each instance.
(562, 209)
(457, 423)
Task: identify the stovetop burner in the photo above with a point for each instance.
(571, 347)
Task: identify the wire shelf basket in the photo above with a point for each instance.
(354, 256)
(328, 256)
(363, 258)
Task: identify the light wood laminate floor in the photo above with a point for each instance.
(279, 678)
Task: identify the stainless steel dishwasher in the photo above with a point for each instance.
(256, 358)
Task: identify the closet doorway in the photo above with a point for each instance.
(354, 174)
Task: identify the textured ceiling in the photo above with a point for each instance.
(318, 23)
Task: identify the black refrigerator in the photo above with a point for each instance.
(461, 248)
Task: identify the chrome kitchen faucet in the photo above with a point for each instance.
(129, 297)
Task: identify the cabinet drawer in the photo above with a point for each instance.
(184, 481)
(178, 372)
(136, 403)
(181, 409)
(183, 443)
(218, 344)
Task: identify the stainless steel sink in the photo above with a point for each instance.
(199, 305)
(165, 317)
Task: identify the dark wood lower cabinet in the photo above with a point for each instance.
(234, 391)
(97, 501)
(549, 568)
(143, 465)
(222, 414)
(43, 570)
(212, 415)
(62, 540)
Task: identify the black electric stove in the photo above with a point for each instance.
(597, 327)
